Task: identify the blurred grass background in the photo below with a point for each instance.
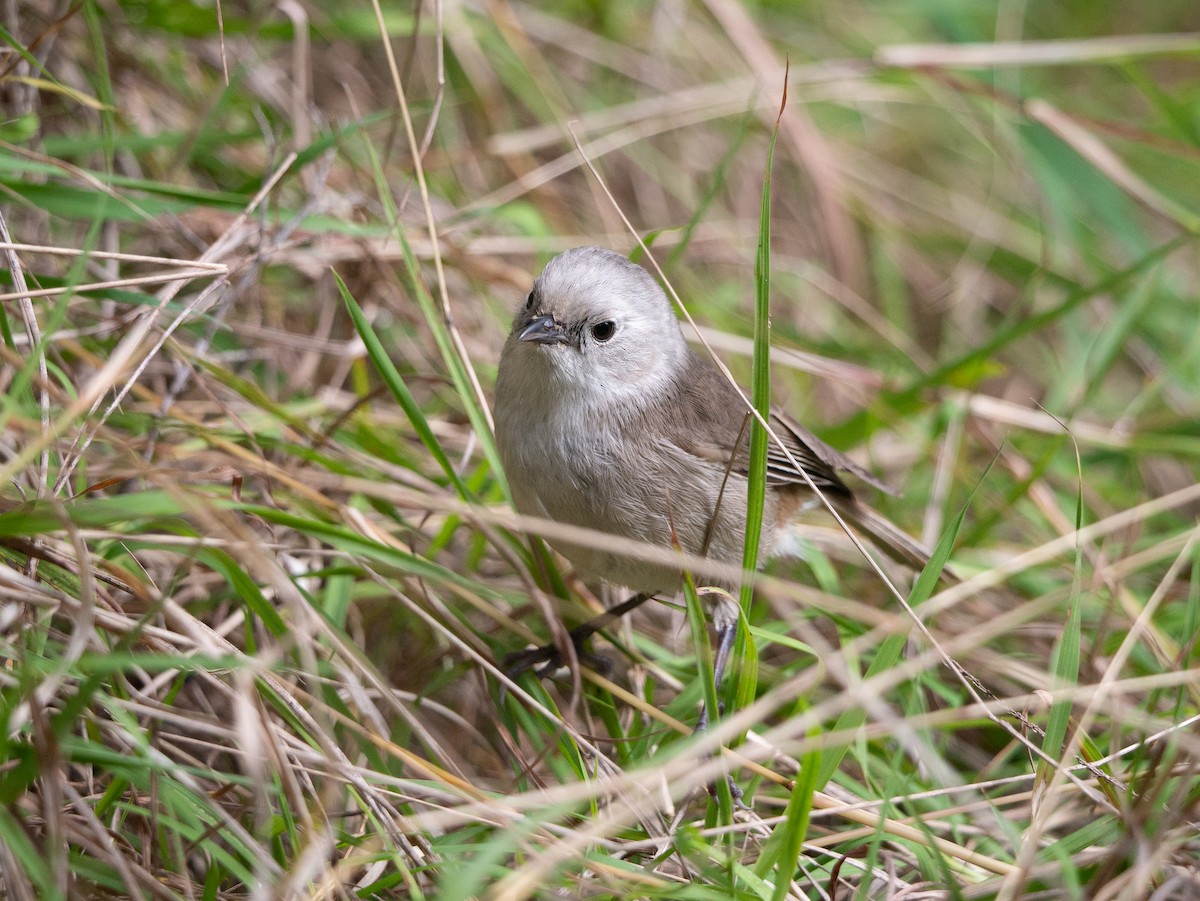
(257, 560)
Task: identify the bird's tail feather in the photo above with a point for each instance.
(885, 534)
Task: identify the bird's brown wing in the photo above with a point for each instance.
(722, 434)
(817, 457)
(708, 417)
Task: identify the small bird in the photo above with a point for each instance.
(607, 419)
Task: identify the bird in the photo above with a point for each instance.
(607, 419)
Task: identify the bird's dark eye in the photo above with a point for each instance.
(529, 301)
(602, 331)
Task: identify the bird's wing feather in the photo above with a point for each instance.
(723, 434)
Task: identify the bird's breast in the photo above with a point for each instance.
(598, 470)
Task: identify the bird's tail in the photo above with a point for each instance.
(885, 534)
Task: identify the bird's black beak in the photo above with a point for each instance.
(544, 330)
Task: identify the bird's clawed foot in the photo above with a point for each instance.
(735, 792)
(546, 659)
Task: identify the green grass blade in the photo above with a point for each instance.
(457, 366)
(392, 378)
(745, 654)
(1064, 662)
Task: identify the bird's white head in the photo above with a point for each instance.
(597, 328)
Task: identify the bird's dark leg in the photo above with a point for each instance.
(726, 633)
(547, 658)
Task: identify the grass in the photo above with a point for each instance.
(258, 561)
